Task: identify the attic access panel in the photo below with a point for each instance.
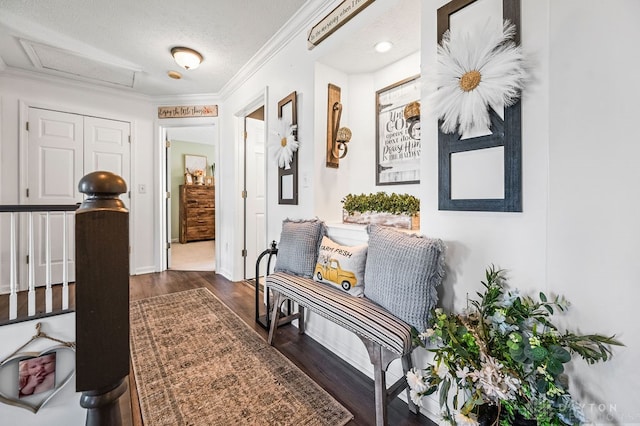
(505, 133)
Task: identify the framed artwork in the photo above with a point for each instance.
(288, 178)
(193, 163)
(495, 155)
(397, 142)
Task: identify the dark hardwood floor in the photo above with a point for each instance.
(351, 388)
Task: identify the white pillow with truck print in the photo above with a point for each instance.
(342, 266)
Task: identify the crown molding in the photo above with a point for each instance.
(303, 19)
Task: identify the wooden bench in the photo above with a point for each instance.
(385, 336)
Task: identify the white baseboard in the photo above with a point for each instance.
(146, 270)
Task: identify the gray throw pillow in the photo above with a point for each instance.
(298, 246)
(402, 273)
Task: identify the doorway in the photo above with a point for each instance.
(190, 154)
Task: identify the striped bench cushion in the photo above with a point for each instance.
(357, 314)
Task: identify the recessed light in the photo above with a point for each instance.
(174, 74)
(383, 46)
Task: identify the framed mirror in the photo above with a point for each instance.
(462, 184)
(288, 178)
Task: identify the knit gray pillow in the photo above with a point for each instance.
(298, 246)
(402, 273)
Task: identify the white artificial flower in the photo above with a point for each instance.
(476, 71)
(426, 334)
(415, 379)
(469, 420)
(417, 399)
(442, 370)
(462, 373)
(285, 144)
(496, 384)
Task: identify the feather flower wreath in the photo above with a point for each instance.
(284, 144)
(477, 71)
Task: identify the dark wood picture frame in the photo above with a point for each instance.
(506, 133)
(380, 167)
(292, 172)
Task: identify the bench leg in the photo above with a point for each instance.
(275, 315)
(301, 319)
(380, 385)
(380, 358)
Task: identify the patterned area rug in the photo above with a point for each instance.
(197, 363)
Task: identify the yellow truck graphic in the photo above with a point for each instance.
(331, 271)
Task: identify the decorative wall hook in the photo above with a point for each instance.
(337, 137)
(341, 135)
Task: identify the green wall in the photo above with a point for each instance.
(178, 150)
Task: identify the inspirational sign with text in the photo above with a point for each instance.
(398, 141)
(334, 20)
(184, 111)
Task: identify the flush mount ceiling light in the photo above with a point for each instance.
(188, 59)
(383, 46)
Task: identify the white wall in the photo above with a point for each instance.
(577, 234)
(84, 99)
(594, 204)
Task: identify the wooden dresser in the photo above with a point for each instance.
(197, 213)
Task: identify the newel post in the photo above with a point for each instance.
(102, 297)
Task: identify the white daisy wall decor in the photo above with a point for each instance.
(284, 144)
(477, 71)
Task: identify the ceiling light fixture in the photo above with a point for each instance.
(383, 46)
(188, 59)
(174, 74)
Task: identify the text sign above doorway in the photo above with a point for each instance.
(334, 20)
(183, 111)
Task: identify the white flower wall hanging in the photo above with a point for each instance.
(477, 71)
(284, 144)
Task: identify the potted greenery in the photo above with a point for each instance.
(504, 360)
(399, 210)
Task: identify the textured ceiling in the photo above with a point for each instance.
(136, 36)
(126, 44)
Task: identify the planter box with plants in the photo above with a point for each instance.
(396, 210)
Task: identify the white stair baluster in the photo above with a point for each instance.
(65, 264)
(48, 292)
(31, 273)
(13, 281)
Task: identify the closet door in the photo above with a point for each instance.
(62, 148)
(54, 168)
(106, 148)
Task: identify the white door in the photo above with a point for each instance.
(168, 196)
(106, 148)
(255, 227)
(54, 167)
(63, 147)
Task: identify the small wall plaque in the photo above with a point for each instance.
(183, 111)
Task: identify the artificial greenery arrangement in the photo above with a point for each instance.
(381, 202)
(504, 355)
